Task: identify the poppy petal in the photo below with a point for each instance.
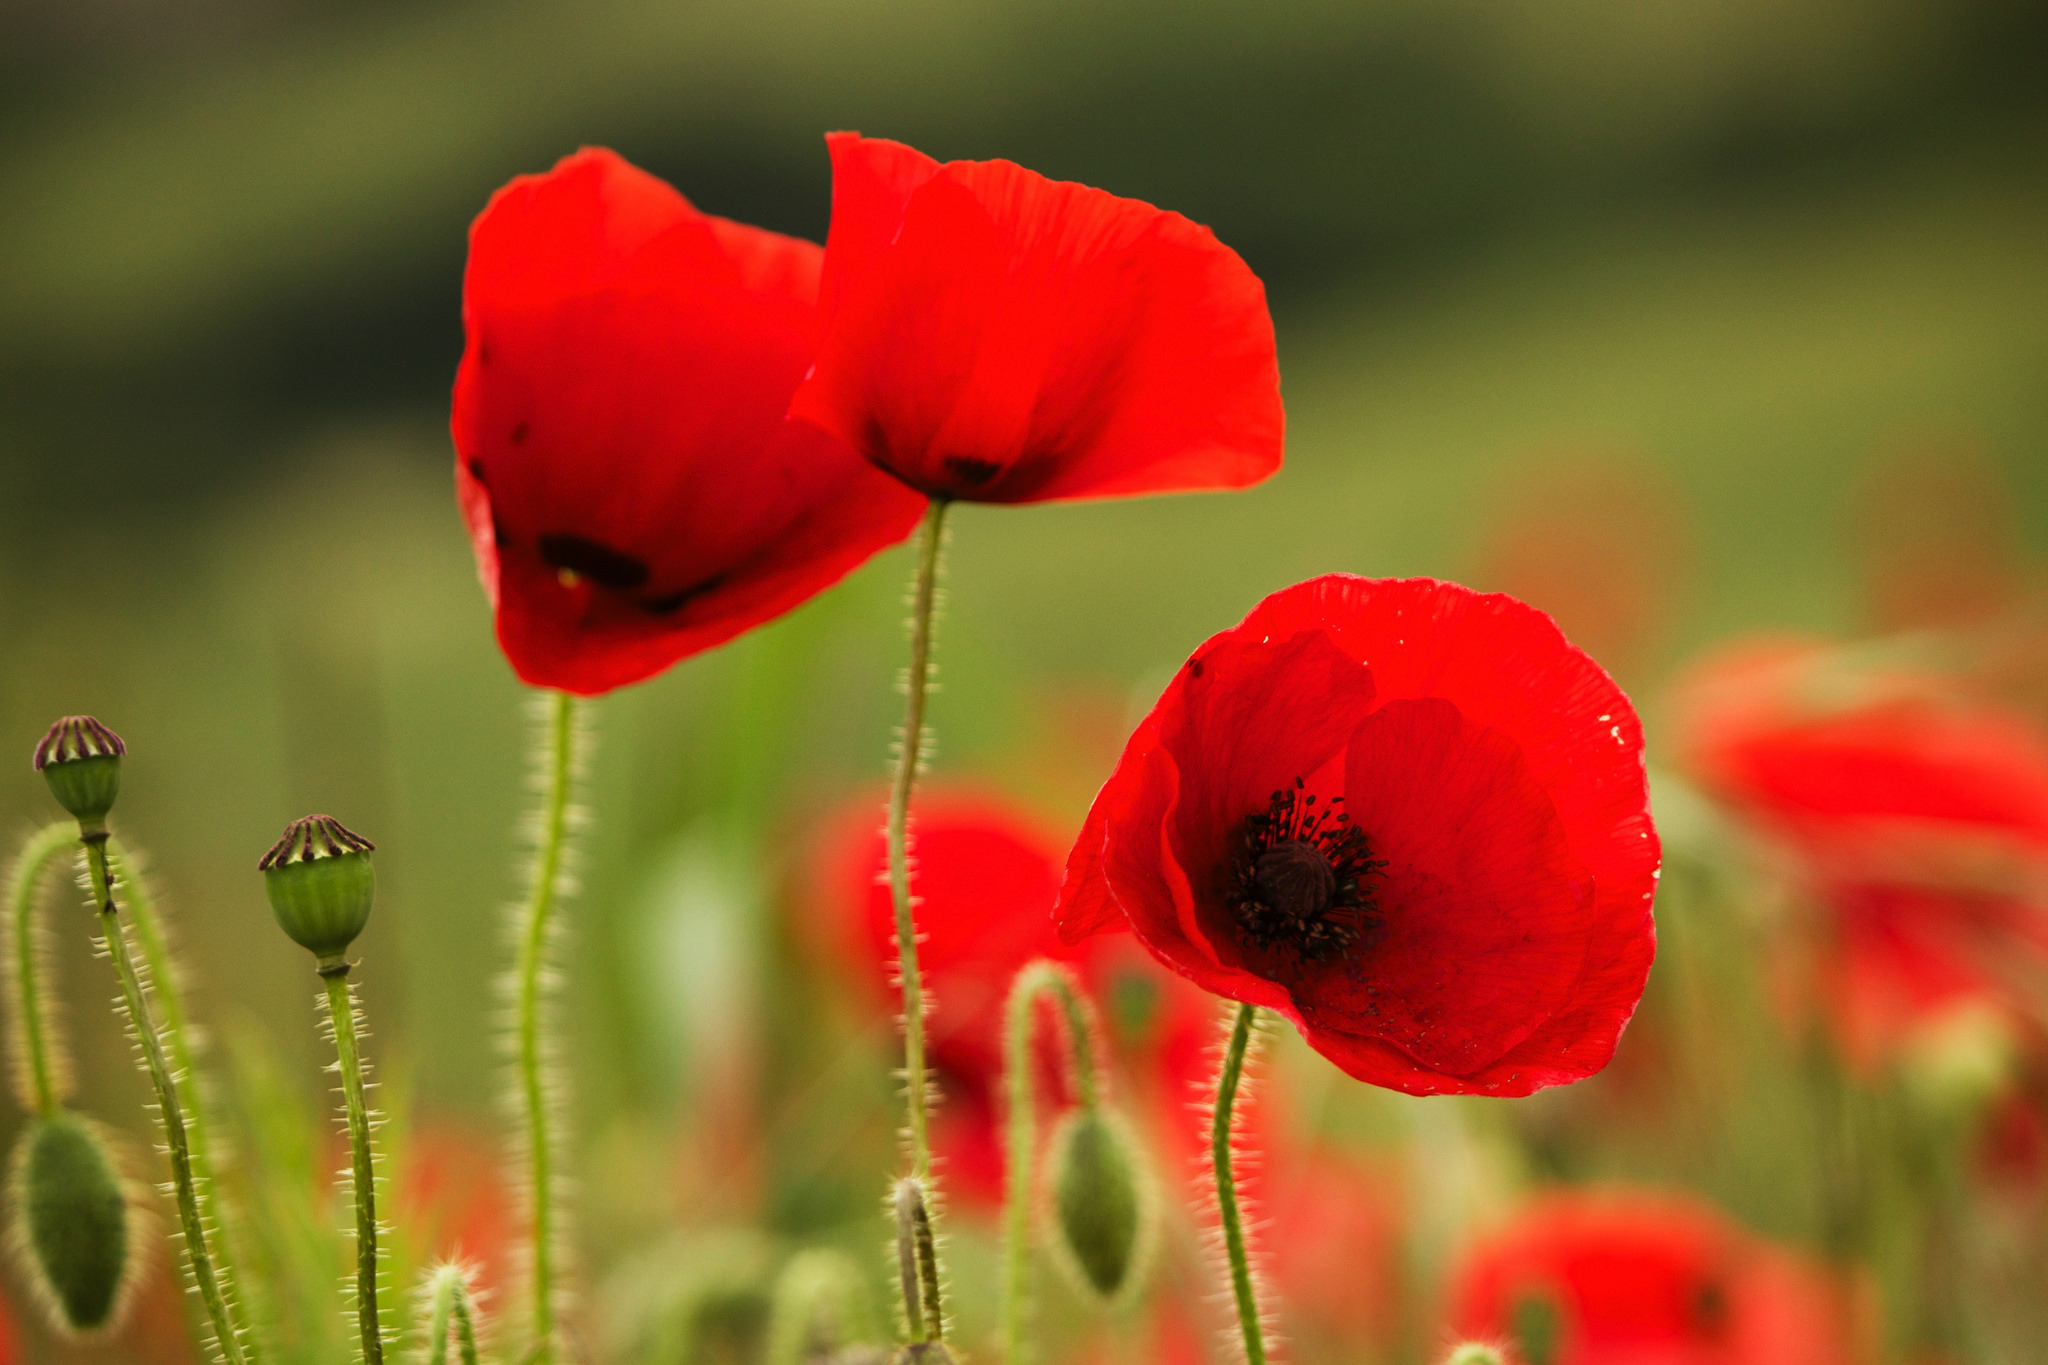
(1019, 339)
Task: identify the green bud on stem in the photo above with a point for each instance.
(71, 1231)
(81, 760)
(1472, 1353)
(321, 884)
(1100, 1209)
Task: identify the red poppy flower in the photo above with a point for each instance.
(996, 336)
(634, 491)
(1407, 816)
(1332, 1230)
(1637, 1279)
(453, 1203)
(986, 875)
(1917, 813)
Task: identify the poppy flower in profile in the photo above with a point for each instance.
(1641, 1279)
(996, 336)
(1409, 817)
(1916, 814)
(634, 490)
(986, 875)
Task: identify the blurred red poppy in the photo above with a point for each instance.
(634, 491)
(1332, 1224)
(996, 336)
(1639, 1279)
(1407, 816)
(1917, 813)
(453, 1203)
(986, 875)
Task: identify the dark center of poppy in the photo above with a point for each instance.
(1295, 879)
(593, 559)
(1298, 882)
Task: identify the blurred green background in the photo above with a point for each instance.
(1629, 304)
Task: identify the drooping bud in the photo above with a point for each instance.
(321, 884)
(1101, 1209)
(1472, 1353)
(81, 760)
(72, 1232)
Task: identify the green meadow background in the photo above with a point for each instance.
(1676, 283)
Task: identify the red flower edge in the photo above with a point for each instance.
(1502, 941)
(996, 336)
(634, 491)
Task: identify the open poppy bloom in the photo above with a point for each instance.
(1916, 814)
(986, 875)
(634, 490)
(1409, 817)
(997, 336)
(1642, 1279)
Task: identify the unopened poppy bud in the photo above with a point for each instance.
(81, 760)
(1472, 1353)
(72, 1223)
(321, 884)
(1100, 1209)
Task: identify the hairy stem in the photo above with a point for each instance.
(1037, 981)
(170, 1109)
(1226, 1187)
(923, 602)
(451, 1306)
(43, 1078)
(559, 770)
(341, 1011)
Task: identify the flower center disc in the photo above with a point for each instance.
(1295, 879)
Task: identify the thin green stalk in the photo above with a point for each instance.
(451, 1304)
(917, 1265)
(1036, 981)
(198, 1252)
(910, 754)
(341, 1012)
(1226, 1188)
(534, 1052)
(40, 1068)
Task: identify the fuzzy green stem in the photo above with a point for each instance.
(917, 1263)
(1037, 980)
(341, 1012)
(170, 1109)
(451, 1306)
(923, 604)
(41, 849)
(1226, 1187)
(532, 1042)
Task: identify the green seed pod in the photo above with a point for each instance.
(81, 760)
(1101, 1205)
(321, 884)
(71, 1228)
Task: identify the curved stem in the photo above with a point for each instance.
(534, 1052)
(451, 1303)
(341, 1011)
(1037, 980)
(170, 1109)
(34, 1065)
(923, 601)
(1226, 1187)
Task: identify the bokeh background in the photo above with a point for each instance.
(1679, 321)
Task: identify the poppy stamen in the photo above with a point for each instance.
(1299, 879)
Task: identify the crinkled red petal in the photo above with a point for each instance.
(1001, 337)
(628, 368)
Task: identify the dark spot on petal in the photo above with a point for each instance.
(969, 471)
(520, 431)
(476, 471)
(594, 560)
(500, 537)
(483, 353)
(1710, 1307)
(663, 605)
(1194, 668)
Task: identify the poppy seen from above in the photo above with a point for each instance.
(995, 336)
(634, 489)
(1407, 816)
